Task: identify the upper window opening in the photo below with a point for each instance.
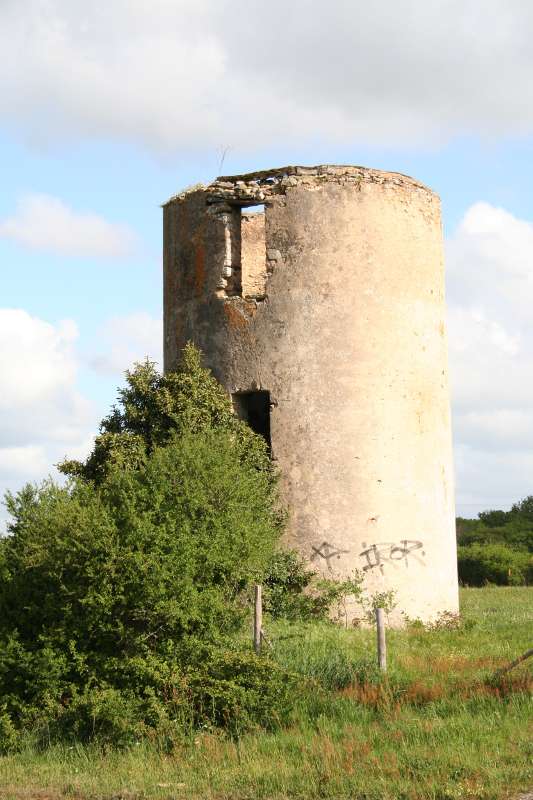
(232, 274)
(253, 252)
(245, 254)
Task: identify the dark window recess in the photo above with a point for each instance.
(254, 408)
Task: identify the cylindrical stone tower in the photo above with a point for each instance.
(317, 297)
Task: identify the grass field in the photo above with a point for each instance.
(435, 729)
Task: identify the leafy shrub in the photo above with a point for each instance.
(285, 580)
(494, 563)
(238, 690)
(294, 592)
(9, 736)
(121, 589)
(384, 600)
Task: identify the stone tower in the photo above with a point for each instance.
(317, 297)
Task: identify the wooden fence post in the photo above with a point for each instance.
(258, 618)
(382, 643)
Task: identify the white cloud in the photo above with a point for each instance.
(23, 462)
(502, 240)
(45, 223)
(490, 295)
(182, 74)
(127, 339)
(43, 416)
(38, 370)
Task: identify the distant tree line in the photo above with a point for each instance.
(497, 547)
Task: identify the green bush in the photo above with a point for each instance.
(294, 592)
(122, 590)
(238, 690)
(287, 585)
(494, 563)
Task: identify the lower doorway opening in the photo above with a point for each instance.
(254, 408)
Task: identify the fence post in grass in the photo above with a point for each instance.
(382, 643)
(258, 618)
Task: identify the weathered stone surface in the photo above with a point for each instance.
(335, 305)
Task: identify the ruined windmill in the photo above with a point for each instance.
(317, 297)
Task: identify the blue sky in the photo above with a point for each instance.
(115, 107)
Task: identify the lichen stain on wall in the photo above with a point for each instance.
(199, 268)
(235, 317)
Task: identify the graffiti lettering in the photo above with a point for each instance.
(382, 552)
(326, 551)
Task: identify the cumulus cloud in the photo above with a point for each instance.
(43, 222)
(490, 296)
(25, 463)
(127, 339)
(43, 416)
(182, 74)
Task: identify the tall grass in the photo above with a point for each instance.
(436, 729)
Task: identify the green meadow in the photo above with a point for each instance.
(438, 727)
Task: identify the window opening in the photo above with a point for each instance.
(245, 266)
(253, 252)
(232, 274)
(254, 408)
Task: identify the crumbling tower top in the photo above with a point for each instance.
(252, 187)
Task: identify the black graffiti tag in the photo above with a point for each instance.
(326, 551)
(382, 552)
